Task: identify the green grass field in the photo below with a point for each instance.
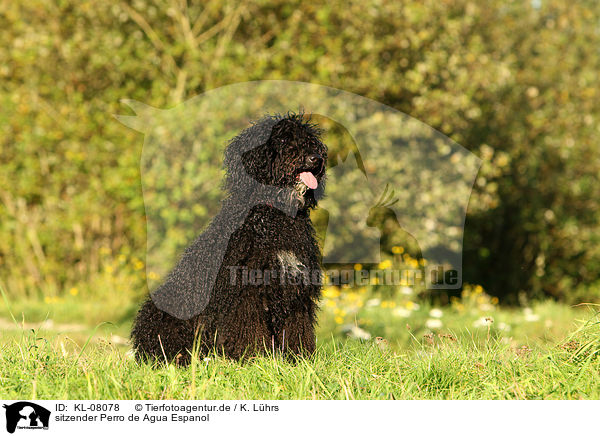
(62, 350)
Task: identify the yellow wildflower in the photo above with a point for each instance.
(339, 312)
(153, 276)
(352, 296)
(385, 264)
(331, 292)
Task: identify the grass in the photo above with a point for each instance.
(41, 368)
(368, 348)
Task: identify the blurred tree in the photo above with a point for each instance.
(514, 83)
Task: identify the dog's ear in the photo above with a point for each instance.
(258, 163)
(245, 152)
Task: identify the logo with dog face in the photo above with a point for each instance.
(25, 415)
(389, 177)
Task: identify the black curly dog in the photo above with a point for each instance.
(251, 281)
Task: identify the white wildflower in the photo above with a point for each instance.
(436, 313)
(530, 316)
(373, 302)
(401, 312)
(359, 333)
(484, 321)
(504, 327)
(405, 290)
(433, 323)
(354, 331)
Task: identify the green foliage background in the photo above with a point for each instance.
(513, 82)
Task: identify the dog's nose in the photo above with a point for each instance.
(314, 160)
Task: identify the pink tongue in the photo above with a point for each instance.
(309, 179)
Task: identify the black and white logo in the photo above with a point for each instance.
(26, 415)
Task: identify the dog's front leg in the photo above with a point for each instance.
(298, 333)
(244, 332)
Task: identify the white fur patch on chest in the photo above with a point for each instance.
(289, 262)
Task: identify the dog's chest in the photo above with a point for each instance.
(287, 242)
(289, 263)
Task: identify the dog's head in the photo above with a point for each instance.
(281, 152)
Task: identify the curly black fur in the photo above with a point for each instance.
(264, 226)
